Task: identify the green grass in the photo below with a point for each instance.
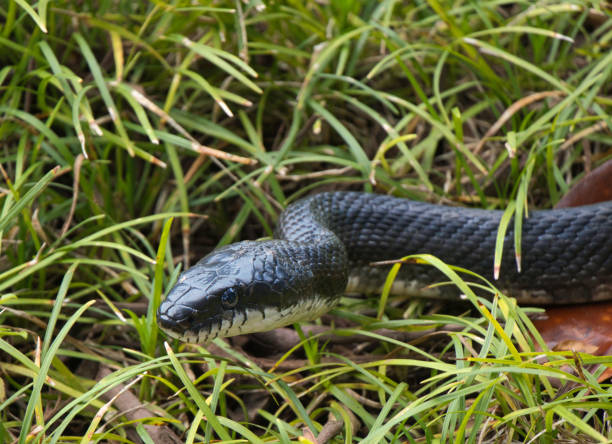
(137, 136)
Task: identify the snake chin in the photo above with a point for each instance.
(252, 321)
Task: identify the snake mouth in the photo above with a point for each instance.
(187, 329)
(176, 330)
(243, 321)
(173, 327)
(181, 322)
(169, 325)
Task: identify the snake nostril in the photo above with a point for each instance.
(167, 322)
(173, 316)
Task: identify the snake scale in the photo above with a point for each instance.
(324, 245)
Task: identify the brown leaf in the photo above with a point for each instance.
(594, 187)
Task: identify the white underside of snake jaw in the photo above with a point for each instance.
(252, 321)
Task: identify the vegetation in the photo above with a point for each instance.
(137, 136)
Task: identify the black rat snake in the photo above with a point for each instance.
(324, 244)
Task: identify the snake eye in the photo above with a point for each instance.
(229, 298)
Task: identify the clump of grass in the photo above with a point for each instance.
(117, 118)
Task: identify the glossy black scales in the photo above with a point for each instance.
(328, 240)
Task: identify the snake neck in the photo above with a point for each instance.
(322, 255)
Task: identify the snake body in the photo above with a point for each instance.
(324, 245)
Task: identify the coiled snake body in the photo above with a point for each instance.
(324, 244)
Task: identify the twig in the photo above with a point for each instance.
(511, 111)
(128, 403)
(78, 162)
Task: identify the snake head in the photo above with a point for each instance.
(240, 288)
